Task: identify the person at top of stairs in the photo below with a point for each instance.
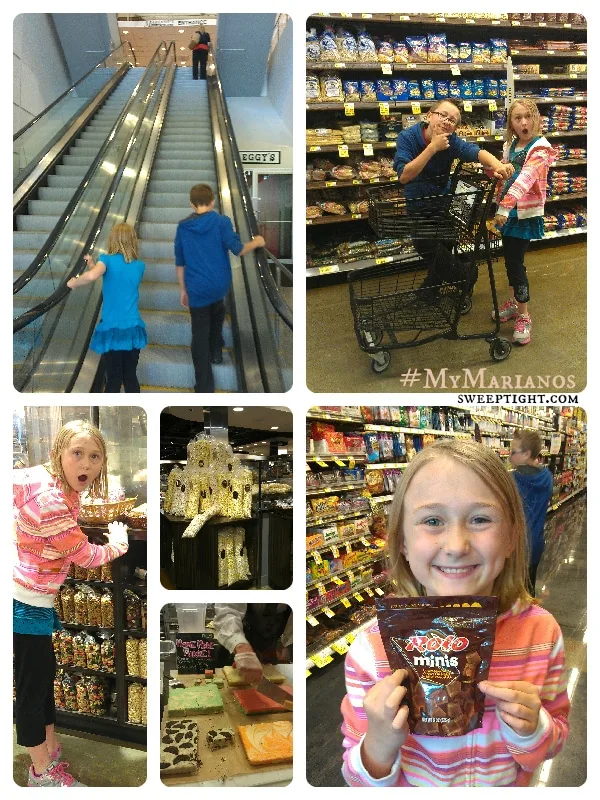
(121, 332)
(200, 40)
(202, 242)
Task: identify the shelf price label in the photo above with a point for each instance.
(345, 602)
(348, 547)
(321, 589)
(340, 65)
(317, 557)
(467, 105)
(386, 69)
(328, 612)
(356, 216)
(365, 541)
(345, 15)
(416, 108)
(337, 581)
(343, 150)
(440, 19)
(544, 77)
(369, 591)
(492, 105)
(314, 148)
(335, 551)
(367, 16)
(573, 75)
(542, 24)
(384, 109)
(566, 25)
(350, 574)
(308, 673)
(349, 109)
(515, 23)
(373, 180)
(470, 21)
(384, 260)
(356, 182)
(330, 183)
(455, 70)
(322, 463)
(379, 591)
(391, 144)
(351, 463)
(337, 460)
(321, 660)
(496, 22)
(404, 18)
(359, 597)
(551, 52)
(368, 149)
(498, 137)
(312, 621)
(341, 647)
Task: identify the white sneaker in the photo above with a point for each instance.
(522, 332)
(507, 311)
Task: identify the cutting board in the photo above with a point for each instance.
(227, 762)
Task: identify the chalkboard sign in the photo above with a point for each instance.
(195, 652)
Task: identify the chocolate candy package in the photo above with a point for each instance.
(445, 644)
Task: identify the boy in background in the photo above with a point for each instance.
(202, 243)
(534, 482)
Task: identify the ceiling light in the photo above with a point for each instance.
(238, 408)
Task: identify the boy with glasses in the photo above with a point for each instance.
(534, 482)
(423, 160)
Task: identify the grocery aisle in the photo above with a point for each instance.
(557, 348)
(561, 588)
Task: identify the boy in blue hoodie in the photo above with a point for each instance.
(534, 482)
(202, 243)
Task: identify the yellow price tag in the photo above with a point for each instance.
(348, 547)
(308, 673)
(498, 137)
(393, 178)
(551, 52)
(542, 24)
(309, 222)
(340, 65)
(386, 69)
(373, 180)
(470, 21)
(356, 182)
(327, 271)
(345, 15)
(317, 557)
(379, 591)
(384, 109)
(455, 70)
(369, 592)
(467, 106)
(366, 16)
(572, 75)
(337, 581)
(440, 19)
(314, 147)
(368, 149)
(336, 552)
(321, 589)
(365, 541)
(492, 105)
(345, 602)
(384, 260)
(358, 596)
(343, 150)
(322, 463)
(312, 621)
(321, 660)
(349, 109)
(416, 108)
(341, 647)
(350, 574)
(566, 25)
(328, 612)
(330, 183)
(390, 144)
(544, 77)
(339, 463)
(515, 23)
(356, 216)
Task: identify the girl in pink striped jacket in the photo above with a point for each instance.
(48, 539)
(520, 211)
(457, 528)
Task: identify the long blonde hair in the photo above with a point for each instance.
(99, 487)
(123, 239)
(510, 584)
(535, 116)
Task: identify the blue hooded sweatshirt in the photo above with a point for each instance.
(201, 245)
(411, 142)
(535, 489)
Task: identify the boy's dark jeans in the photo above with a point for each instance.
(207, 327)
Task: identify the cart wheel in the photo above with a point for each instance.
(380, 366)
(500, 349)
(373, 338)
(467, 305)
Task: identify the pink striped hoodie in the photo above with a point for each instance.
(528, 192)
(528, 647)
(47, 537)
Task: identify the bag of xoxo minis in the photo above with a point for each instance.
(445, 644)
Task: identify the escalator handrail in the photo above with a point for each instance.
(56, 232)
(70, 89)
(288, 274)
(265, 274)
(62, 291)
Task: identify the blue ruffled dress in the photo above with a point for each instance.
(121, 326)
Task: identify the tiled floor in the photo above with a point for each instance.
(562, 589)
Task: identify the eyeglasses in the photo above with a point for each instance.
(446, 118)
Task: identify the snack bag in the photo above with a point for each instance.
(428, 89)
(442, 90)
(417, 48)
(445, 644)
(437, 49)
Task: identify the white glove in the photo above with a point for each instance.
(249, 667)
(117, 535)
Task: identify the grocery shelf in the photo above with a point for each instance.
(336, 218)
(355, 567)
(312, 457)
(522, 77)
(553, 100)
(428, 19)
(335, 184)
(393, 104)
(569, 196)
(569, 162)
(328, 415)
(346, 487)
(318, 66)
(340, 646)
(567, 232)
(397, 429)
(325, 520)
(388, 465)
(533, 53)
(359, 587)
(350, 266)
(566, 499)
(338, 543)
(333, 148)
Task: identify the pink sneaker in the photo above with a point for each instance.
(522, 332)
(507, 311)
(54, 775)
(56, 755)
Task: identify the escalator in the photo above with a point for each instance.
(181, 140)
(37, 218)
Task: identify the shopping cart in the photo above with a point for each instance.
(393, 305)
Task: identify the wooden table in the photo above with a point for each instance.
(229, 766)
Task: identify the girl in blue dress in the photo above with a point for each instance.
(121, 332)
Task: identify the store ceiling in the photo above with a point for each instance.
(250, 429)
(146, 38)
